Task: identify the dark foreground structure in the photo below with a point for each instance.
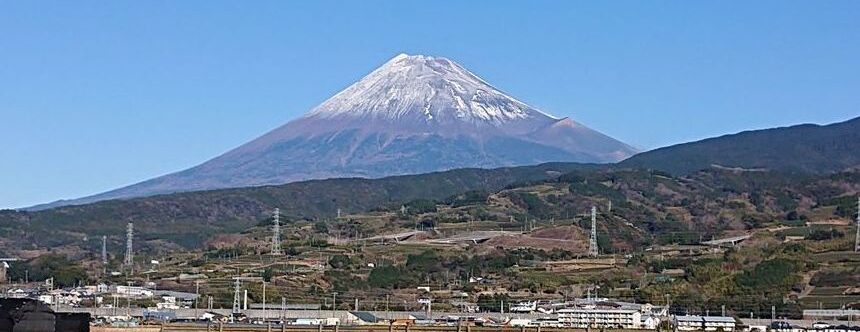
(26, 315)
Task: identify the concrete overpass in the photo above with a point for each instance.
(471, 237)
(732, 240)
(397, 237)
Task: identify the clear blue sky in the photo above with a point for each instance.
(95, 95)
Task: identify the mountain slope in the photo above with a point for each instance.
(190, 218)
(803, 148)
(414, 114)
(646, 205)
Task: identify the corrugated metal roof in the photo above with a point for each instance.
(365, 316)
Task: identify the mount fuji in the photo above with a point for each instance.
(414, 114)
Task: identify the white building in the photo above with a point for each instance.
(133, 291)
(58, 296)
(524, 307)
(330, 321)
(47, 299)
(719, 323)
(606, 318)
(705, 323)
(689, 323)
(167, 303)
(95, 289)
(610, 314)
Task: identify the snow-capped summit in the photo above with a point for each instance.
(429, 90)
(414, 114)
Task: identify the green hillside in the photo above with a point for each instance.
(803, 148)
(188, 219)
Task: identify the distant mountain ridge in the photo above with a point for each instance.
(189, 218)
(414, 114)
(645, 202)
(782, 161)
(805, 148)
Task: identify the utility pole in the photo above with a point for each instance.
(104, 255)
(857, 235)
(128, 299)
(264, 300)
(197, 299)
(668, 303)
(333, 303)
(429, 307)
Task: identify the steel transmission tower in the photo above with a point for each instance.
(276, 233)
(236, 296)
(129, 253)
(592, 244)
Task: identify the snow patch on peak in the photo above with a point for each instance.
(434, 91)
